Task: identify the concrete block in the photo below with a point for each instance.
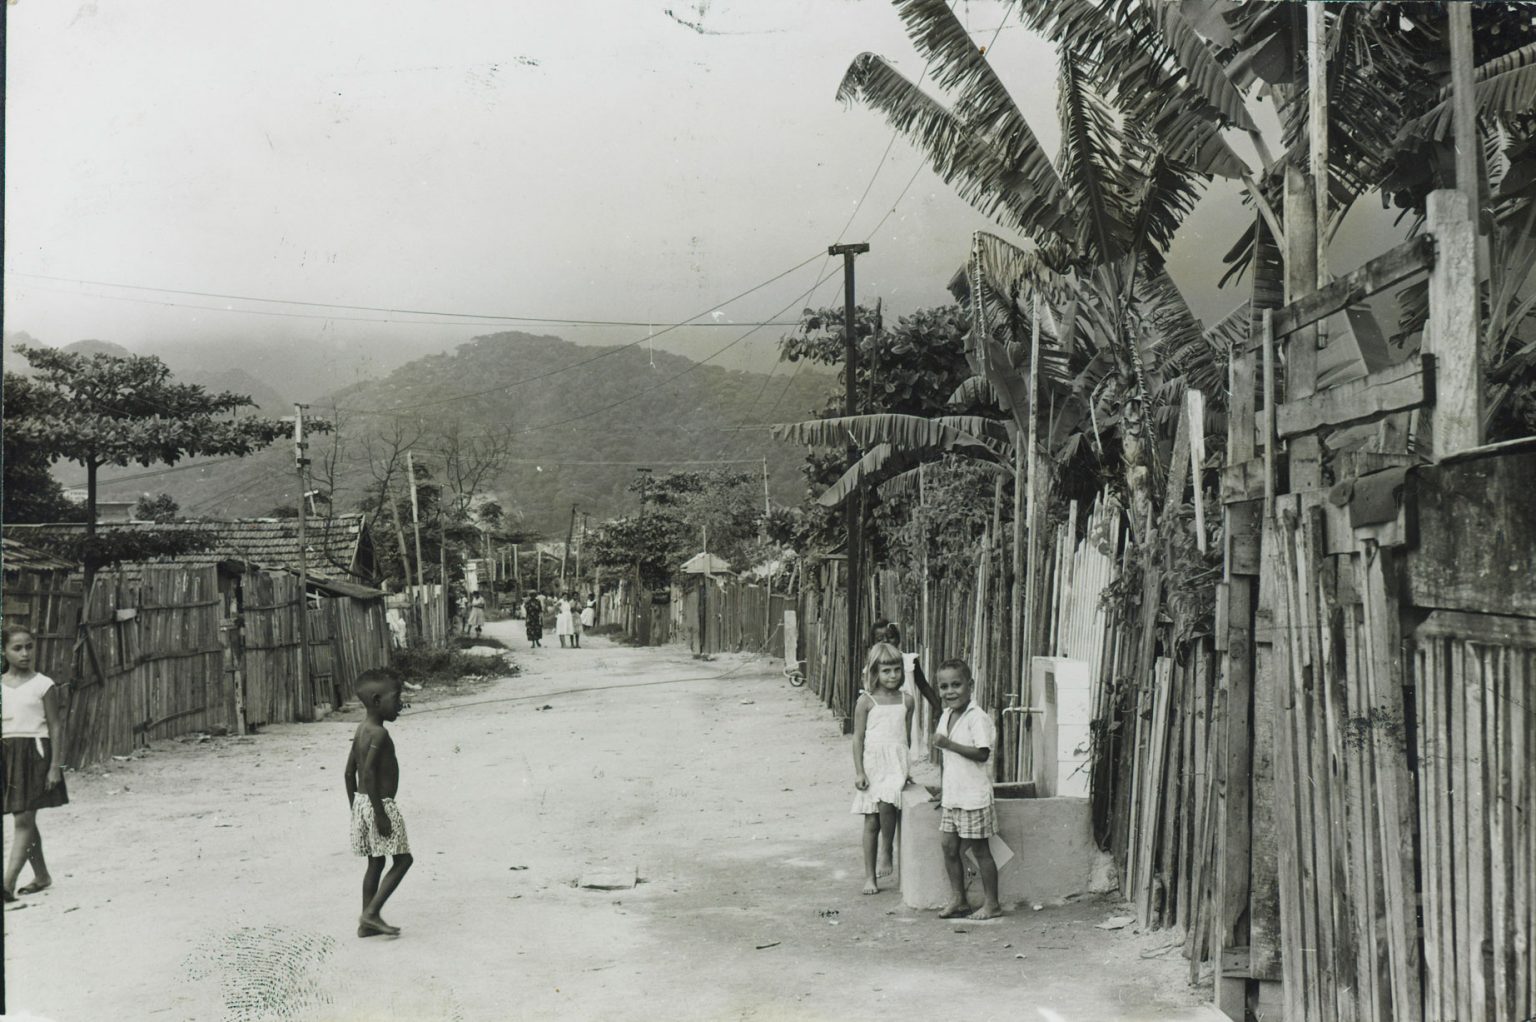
(1051, 839)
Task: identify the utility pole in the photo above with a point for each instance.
(851, 505)
(410, 470)
(570, 532)
(301, 463)
(766, 508)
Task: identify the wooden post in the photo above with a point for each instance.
(410, 471)
(853, 506)
(1026, 649)
(1301, 230)
(1452, 333)
(306, 700)
(1464, 102)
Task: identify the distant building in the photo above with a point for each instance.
(106, 510)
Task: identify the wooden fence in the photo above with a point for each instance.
(419, 615)
(48, 602)
(169, 648)
(731, 616)
(153, 661)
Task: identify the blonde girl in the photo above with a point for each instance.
(882, 719)
(33, 766)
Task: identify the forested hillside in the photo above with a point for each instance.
(577, 422)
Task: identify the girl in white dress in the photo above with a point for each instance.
(882, 719)
(33, 771)
(565, 622)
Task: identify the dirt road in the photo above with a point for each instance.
(212, 880)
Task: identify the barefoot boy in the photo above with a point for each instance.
(372, 778)
(965, 737)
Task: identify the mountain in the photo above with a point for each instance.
(580, 420)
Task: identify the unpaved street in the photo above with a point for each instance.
(213, 880)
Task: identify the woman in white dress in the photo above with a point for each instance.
(565, 622)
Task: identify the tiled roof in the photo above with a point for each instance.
(332, 543)
(18, 556)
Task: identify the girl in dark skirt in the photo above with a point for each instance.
(32, 770)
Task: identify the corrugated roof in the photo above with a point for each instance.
(18, 556)
(332, 543)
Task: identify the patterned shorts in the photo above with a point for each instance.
(366, 839)
(968, 823)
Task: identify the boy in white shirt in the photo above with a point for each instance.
(965, 736)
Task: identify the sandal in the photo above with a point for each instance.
(34, 888)
(9, 897)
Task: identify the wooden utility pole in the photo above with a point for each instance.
(301, 463)
(766, 507)
(410, 471)
(851, 507)
(570, 531)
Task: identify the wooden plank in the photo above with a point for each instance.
(1473, 751)
(1267, 427)
(1501, 867)
(1300, 878)
(1452, 332)
(1235, 785)
(1242, 480)
(1243, 538)
(1454, 565)
(1407, 385)
(1395, 797)
(1361, 820)
(1276, 930)
(1304, 463)
(1412, 257)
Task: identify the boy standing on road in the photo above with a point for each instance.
(965, 736)
(372, 778)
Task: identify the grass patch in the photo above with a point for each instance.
(446, 665)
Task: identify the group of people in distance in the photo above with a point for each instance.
(572, 617)
(963, 738)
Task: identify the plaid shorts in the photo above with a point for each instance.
(968, 823)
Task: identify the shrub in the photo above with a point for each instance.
(428, 664)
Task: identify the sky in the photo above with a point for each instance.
(621, 160)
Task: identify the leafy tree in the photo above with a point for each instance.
(110, 410)
(161, 509)
(30, 493)
(675, 510)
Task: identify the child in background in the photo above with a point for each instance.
(589, 612)
(372, 778)
(965, 738)
(33, 767)
(476, 614)
(916, 683)
(881, 719)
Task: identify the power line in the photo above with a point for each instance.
(457, 323)
(453, 316)
(669, 380)
(605, 353)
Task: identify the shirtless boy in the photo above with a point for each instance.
(372, 778)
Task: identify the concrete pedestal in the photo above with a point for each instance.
(1051, 839)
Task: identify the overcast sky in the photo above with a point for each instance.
(566, 158)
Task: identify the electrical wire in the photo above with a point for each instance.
(454, 317)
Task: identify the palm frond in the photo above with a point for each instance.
(1204, 73)
(975, 390)
(908, 432)
(984, 103)
(982, 173)
(1504, 87)
(1088, 148)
